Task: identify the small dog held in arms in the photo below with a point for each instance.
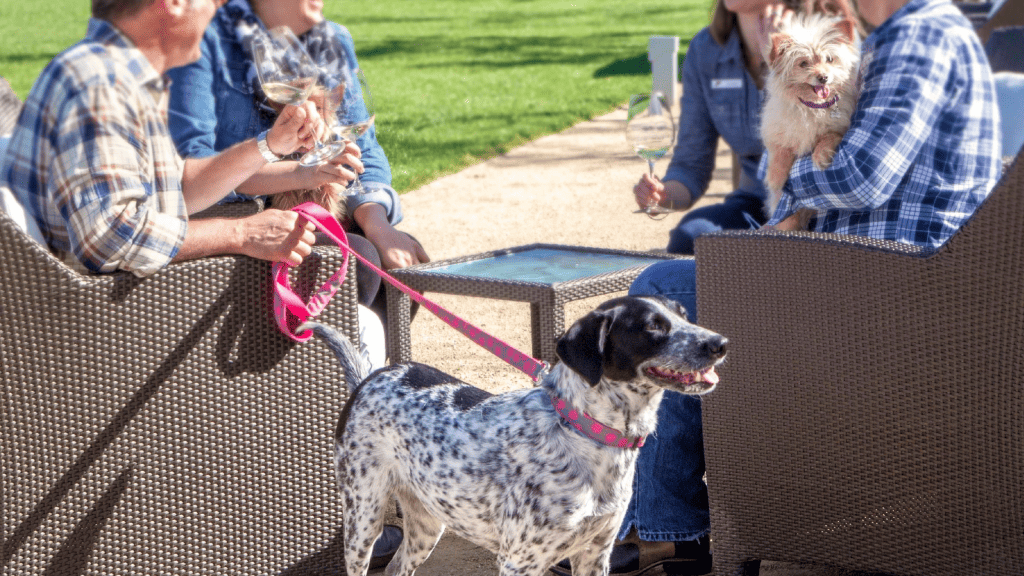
(534, 475)
(811, 89)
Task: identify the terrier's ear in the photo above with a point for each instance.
(847, 29)
(780, 42)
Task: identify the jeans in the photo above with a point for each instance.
(737, 212)
(670, 499)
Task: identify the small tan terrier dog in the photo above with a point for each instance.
(810, 94)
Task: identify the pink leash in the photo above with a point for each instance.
(290, 311)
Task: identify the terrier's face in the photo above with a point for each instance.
(814, 56)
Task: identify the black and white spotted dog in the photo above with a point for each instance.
(534, 475)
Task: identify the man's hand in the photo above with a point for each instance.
(277, 236)
(296, 128)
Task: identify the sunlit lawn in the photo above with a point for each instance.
(454, 81)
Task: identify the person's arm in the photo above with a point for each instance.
(205, 181)
(115, 218)
(397, 249)
(274, 235)
(693, 160)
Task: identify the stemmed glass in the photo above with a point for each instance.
(286, 71)
(651, 132)
(356, 118)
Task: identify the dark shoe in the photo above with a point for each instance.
(633, 557)
(385, 547)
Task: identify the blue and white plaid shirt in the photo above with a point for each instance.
(923, 149)
(92, 161)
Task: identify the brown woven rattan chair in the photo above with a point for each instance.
(163, 425)
(870, 415)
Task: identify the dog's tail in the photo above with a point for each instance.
(350, 359)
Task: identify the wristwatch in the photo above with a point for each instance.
(265, 151)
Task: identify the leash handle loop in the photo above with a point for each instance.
(286, 301)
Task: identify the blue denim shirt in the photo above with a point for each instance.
(719, 99)
(212, 107)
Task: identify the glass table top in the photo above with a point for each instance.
(543, 265)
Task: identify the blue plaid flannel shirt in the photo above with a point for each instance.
(923, 149)
(92, 161)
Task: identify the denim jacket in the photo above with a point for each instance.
(212, 108)
(719, 99)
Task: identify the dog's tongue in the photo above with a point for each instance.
(822, 91)
(710, 376)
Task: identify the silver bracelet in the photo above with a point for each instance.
(264, 148)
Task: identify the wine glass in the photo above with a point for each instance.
(328, 100)
(356, 116)
(651, 132)
(286, 71)
(356, 119)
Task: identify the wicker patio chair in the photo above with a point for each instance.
(163, 425)
(869, 415)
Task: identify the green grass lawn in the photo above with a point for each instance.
(454, 81)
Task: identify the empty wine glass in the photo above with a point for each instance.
(651, 132)
(356, 116)
(286, 71)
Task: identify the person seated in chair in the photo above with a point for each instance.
(92, 162)
(922, 153)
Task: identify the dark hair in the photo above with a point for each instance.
(723, 21)
(111, 10)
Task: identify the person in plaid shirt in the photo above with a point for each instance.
(91, 159)
(922, 153)
(923, 149)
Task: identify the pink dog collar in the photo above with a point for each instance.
(593, 429)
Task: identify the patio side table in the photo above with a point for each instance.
(545, 275)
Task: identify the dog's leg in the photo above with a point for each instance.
(825, 149)
(422, 532)
(366, 500)
(780, 161)
(593, 561)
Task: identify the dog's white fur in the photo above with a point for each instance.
(812, 52)
(507, 472)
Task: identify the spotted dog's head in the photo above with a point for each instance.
(643, 338)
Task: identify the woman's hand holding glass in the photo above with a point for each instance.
(339, 170)
(649, 191)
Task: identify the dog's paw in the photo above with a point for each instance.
(825, 150)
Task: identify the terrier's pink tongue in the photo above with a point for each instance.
(822, 91)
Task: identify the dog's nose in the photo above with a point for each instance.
(714, 347)
(823, 79)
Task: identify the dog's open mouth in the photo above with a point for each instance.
(707, 378)
(822, 91)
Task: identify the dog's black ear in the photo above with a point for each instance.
(582, 346)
